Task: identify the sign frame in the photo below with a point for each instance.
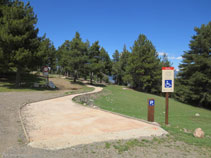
(167, 79)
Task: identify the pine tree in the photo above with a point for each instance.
(144, 66)
(124, 57)
(18, 37)
(116, 69)
(194, 79)
(94, 64)
(62, 56)
(72, 56)
(4, 57)
(78, 52)
(47, 54)
(165, 62)
(106, 65)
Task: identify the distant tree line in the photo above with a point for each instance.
(140, 68)
(22, 50)
(79, 59)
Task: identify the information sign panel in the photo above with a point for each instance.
(167, 79)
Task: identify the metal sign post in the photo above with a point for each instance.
(167, 86)
(167, 109)
(45, 73)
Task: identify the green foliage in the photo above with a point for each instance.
(194, 79)
(106, 66)
(46, 55)
(94, 64)
(120, 63)
(78, 58)
(72, 56)
(144, 67)
(18, 37)
(165, 62)
(116, 69)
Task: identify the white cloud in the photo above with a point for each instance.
(175, 58)
(162, 53)
(177, 69)
(169, 57)
(179, 58)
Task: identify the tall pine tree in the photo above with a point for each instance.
(94, 64)
(116, 69)
(47, 54)
(194, 79)
(144, 66)
(78, 58)
(124, 57)
(18, 37)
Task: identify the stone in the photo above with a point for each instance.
(185, 130)
(155, 123)
(36, 85)
(51, 84)
(124, 88)
(197, 114)
(198, 133)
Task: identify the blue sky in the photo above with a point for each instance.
(169, 24)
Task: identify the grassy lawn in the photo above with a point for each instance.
(133, 103)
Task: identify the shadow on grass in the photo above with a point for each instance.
(77, 82)
(88, 83)
(7, 82)
(97, 84)
(13, 87)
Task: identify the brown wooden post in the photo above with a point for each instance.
(167, 108)
(150, 111)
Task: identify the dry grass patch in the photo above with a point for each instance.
(64, 84)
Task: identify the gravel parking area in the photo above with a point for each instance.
(11, 133)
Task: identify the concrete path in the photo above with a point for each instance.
(61, 123)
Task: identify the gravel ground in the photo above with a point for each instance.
(13, 142)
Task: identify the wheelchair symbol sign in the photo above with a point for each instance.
(168, 83)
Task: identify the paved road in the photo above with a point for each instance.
(61, 123)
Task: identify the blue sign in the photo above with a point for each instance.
(168, 83)
(151, 102)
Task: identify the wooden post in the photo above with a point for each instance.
(150, 111)
(167, 108)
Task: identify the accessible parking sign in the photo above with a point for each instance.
(167, 79)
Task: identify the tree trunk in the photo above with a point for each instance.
(91, 77)
(85, 78)
(18, 77)
(75, 75)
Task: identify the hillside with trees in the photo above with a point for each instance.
(22, 50)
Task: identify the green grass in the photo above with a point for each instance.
(107, 145)
(133, 103)
(125, 146)
(81, 90)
